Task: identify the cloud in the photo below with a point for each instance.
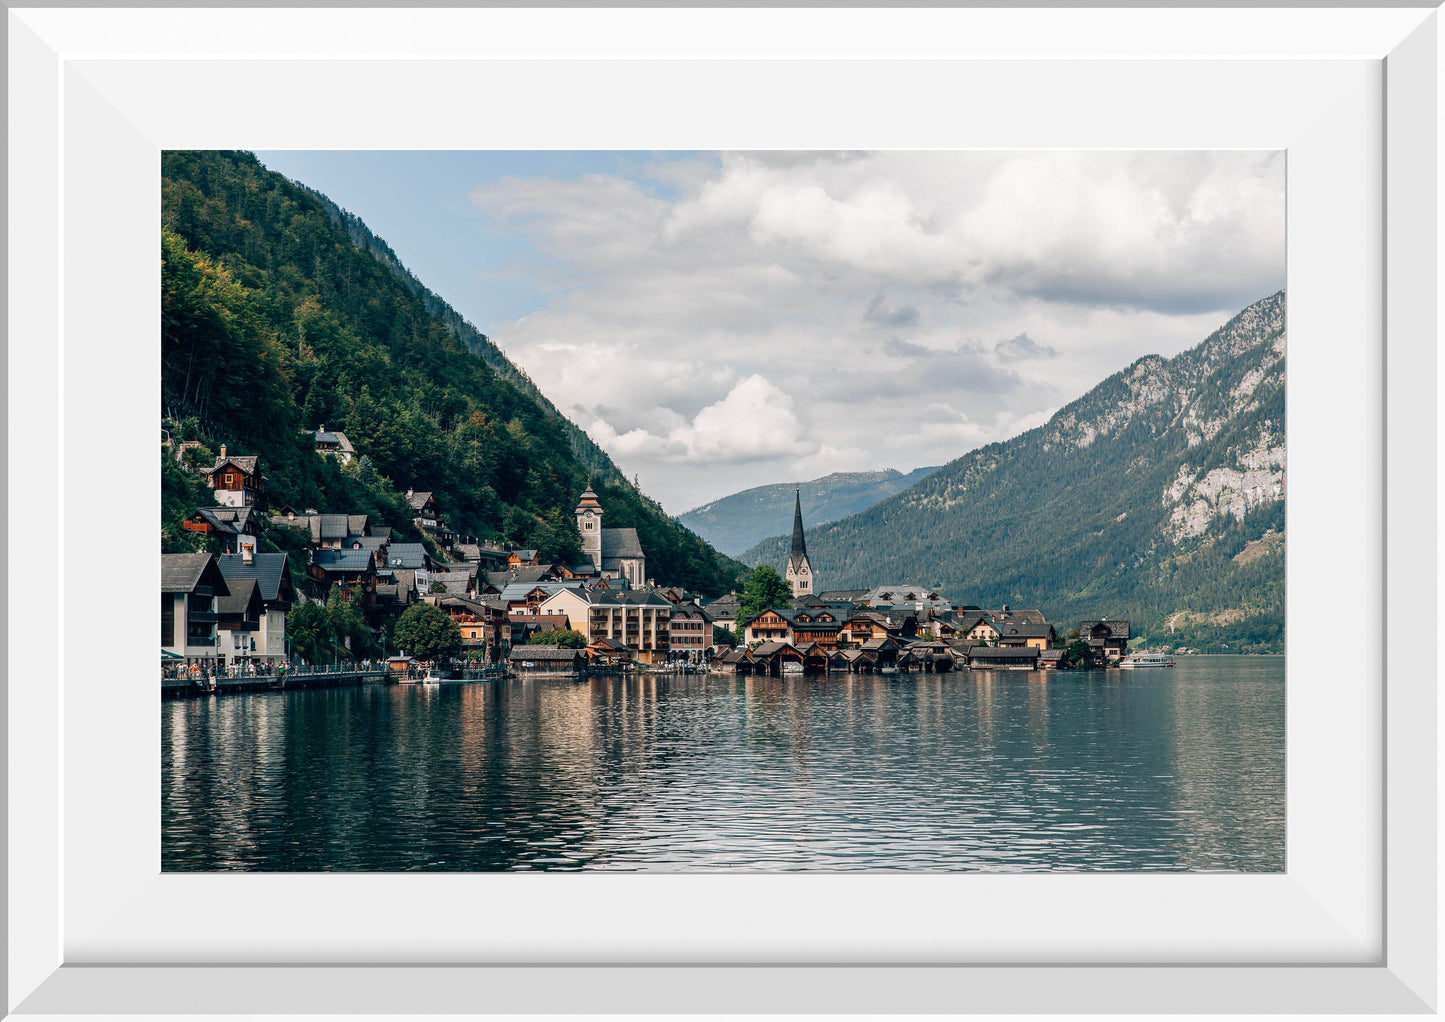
(1021, 347)
(901, 316)
(711, 319)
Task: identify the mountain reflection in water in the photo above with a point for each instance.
(1176, 769)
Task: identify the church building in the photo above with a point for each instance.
(800, 572)
(617, 553)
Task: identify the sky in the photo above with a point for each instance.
(718, 321)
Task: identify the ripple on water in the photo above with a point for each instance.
(1184, 771)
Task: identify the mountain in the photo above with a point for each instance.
(281, 313)
(1157, 497)
(738, 521)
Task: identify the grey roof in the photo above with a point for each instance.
(406, 555)
(418, 500)
(894, 595)
(525, 555)
(1026, 630)
(691, 610)
(356, 525)
(1052, 654)
(229, 519)
(620, 543)
(343, 560)
(324, 527)
(182, 573)
(545, 653)
(1117, 629)
(381, 532)
(1002, 653)
(245, 462)
(882, 642)
(1017, 616)
(535, 573)
(514, 591)
(774, 648)
(239, 601)
(843, 595)
(269, 571)
(456, 582)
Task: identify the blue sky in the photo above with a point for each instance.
(718, 321)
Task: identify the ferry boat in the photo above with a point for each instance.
(1145, 660)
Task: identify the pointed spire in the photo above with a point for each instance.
(800, 547)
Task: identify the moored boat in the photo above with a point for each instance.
(1136, 660)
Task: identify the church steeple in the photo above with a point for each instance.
(800, 572)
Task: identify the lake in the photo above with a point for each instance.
(1146, 770)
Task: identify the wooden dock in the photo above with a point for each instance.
(181, 688)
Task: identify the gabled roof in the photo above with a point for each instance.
(774, 648)
(455, 582)
(1117, 629)
(525, 555)
(343, 560)
(843, 595)
(325, 527)
(544, 653)
(620, 543)
(1002, 653)
(243, 600)
(356, 525)
(182, 573)
(533, 573)
(1024, 631)
(228, 520)
(406, 555)
(269, 571)
(245, 462)
(418, 499)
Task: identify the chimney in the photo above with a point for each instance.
(246, 552)
(223, 452)
(322, 429)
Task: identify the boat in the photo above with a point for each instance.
(1136, 660)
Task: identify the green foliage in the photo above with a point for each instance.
(280, 312)
(427, 632)
(564, 637)
(765, 589)
(724, 637)
(1077, 654)
(310, 633)
(181, 494)
(348, 624)
(1069, 517)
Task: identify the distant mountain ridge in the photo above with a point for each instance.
(739, 520)
(1157, 497)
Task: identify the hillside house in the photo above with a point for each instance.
(190, 584)
(236, 480)
(236, 527)
(238, 619)
(353, 570)
(1105, 638)
(277, 595)
(333, 443)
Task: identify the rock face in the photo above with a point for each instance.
(1133, 501)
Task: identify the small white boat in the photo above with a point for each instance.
(1137, 660)
(431, 679)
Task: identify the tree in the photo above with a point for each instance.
(567, 638)
(1078, 653)
(765, 589)
(348, 623)
(437, 588)
(427, 632)
(310, 633)
(724, 637)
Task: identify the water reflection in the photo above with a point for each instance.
(1166, 770)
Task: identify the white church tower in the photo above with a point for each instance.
(589, 526)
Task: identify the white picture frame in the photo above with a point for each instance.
(95, 95)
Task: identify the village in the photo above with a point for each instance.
(224, 615)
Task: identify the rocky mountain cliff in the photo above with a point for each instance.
(1158, 496)
(739, 520)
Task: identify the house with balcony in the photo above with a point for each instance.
(236, 480)
(190, 584)
(277, 595)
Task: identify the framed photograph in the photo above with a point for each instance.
(1351, 98)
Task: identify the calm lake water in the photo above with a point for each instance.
(1180, 769)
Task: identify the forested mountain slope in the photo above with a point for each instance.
(739, 520)
(1158, 496)
(274, 321)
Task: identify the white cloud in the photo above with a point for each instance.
(785, 313)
